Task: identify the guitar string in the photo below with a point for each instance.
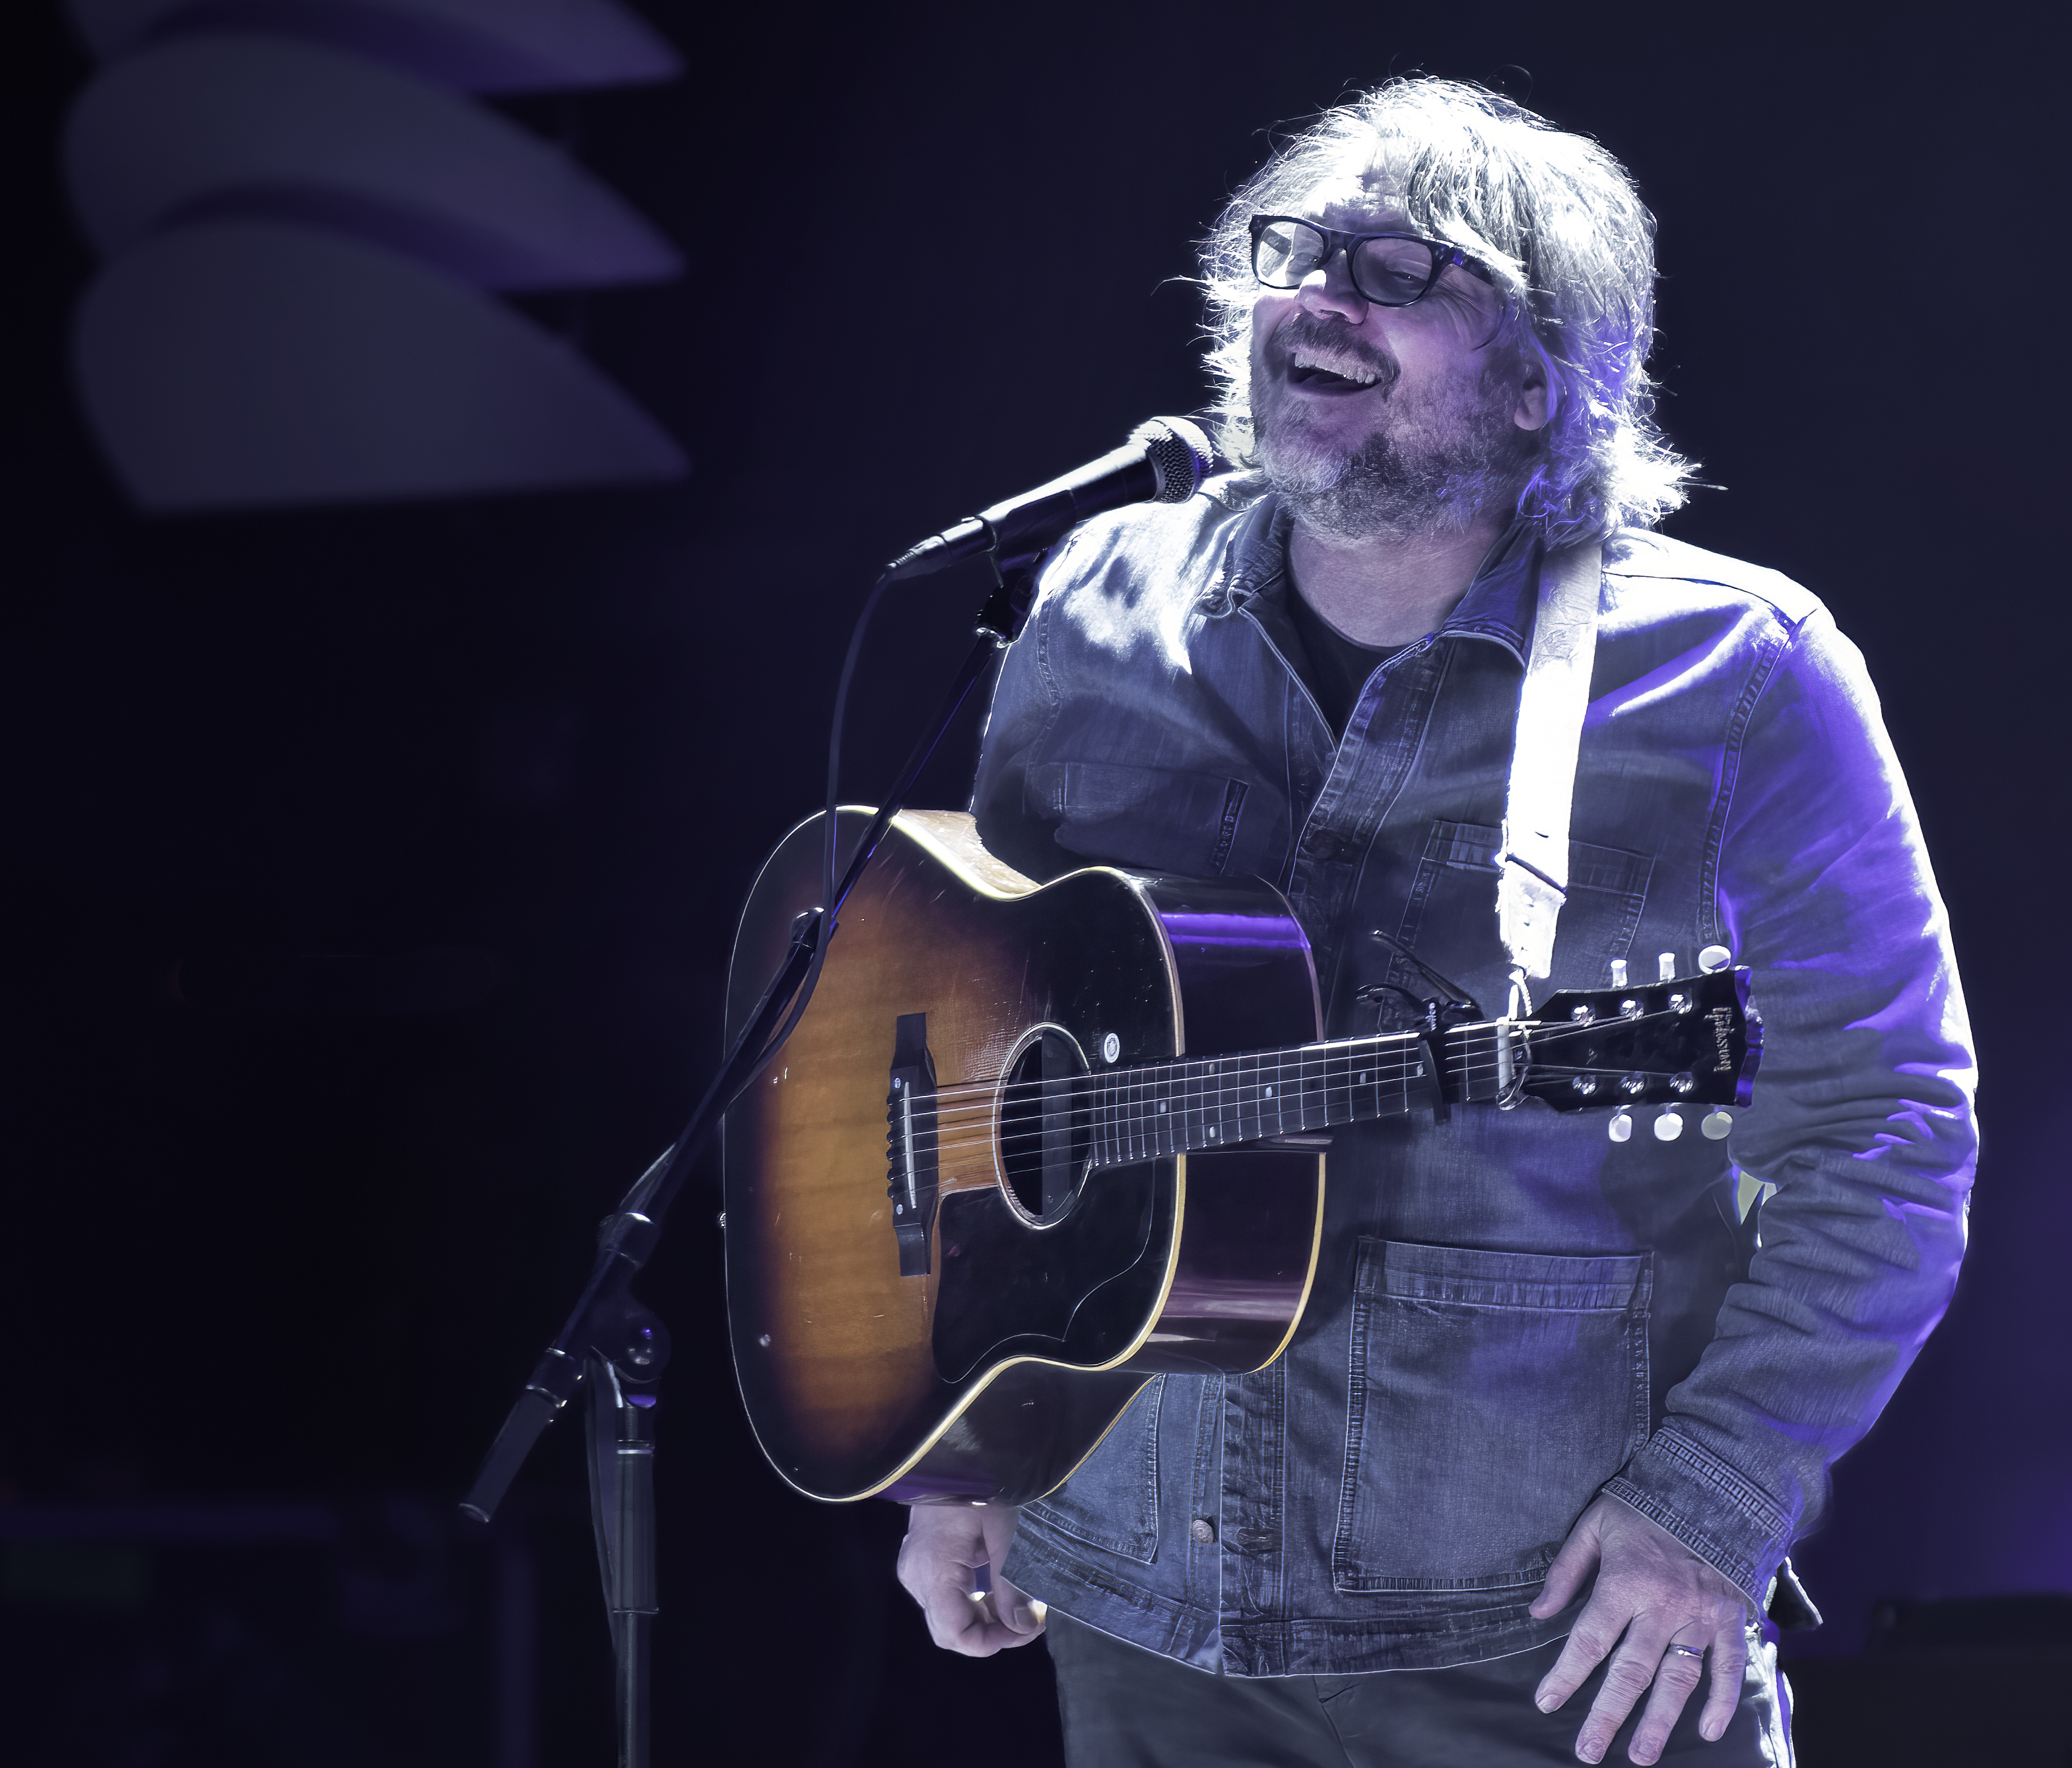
(1120, 1121)
(1342, 1096)
(983, 1091)
(1150, 1137)
(1219, 1099)
(1539, 1033)
(1334, 1096)
(980, 1099)
(1178, 1066)
(1204, 1089)
(1260, 1073)
(1130, 1099)
(1122, 1112)
(1122, 1117)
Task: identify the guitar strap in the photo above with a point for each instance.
(1533, 859)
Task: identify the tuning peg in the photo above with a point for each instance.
(1620, 1128)
(1665, 967)
(1715, 957)
(1618, 972)
(1669, 1126)
(1716, 1125)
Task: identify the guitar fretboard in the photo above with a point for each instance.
(1221, 1101)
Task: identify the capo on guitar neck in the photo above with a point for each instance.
(1436, 1014)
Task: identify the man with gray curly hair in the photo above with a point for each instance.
(1549, 225)
(1556, 1409)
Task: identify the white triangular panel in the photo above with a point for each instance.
(236, 363)
(471, 45)
(238, 124)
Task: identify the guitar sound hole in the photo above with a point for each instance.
(1044, 1136)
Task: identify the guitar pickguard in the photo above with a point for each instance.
(1008, 1288)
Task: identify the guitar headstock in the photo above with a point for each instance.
(1691, 1040)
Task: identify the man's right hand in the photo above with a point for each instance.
(940, 1561)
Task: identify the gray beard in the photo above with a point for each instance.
(1428, 473)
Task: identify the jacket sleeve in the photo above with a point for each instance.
(1862, 1117)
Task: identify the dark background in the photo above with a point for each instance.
(267, 1256)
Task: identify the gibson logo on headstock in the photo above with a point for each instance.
(1723, 1022)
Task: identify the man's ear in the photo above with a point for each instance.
(1535, 398)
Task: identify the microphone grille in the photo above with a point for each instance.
(1180, 453)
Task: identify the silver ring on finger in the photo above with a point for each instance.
(1688, 1650)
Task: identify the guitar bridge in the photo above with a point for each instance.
(909, 1139)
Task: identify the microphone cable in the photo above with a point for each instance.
(1178, 446)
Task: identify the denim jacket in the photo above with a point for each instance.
(1511, 1314)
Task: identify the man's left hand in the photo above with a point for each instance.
(1652, 1593)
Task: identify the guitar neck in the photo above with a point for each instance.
(1212, 1102)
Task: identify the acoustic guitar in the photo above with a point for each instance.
(1028, 1147)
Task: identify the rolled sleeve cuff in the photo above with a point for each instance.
(1711, 1509)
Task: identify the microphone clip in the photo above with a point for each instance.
(1006, 610)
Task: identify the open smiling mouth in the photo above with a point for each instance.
(1312, 376)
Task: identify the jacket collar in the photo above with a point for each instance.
(1499, 605)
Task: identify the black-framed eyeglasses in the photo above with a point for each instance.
(1390, 269)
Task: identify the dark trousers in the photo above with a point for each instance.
(1126, 1708)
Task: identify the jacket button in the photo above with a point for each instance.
(1201, 1529)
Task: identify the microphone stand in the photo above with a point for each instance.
(617, 1345)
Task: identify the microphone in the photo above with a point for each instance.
(1164, 462)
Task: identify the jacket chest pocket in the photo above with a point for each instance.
(1491, 1394)
(1450, 917)
(1159, 819)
